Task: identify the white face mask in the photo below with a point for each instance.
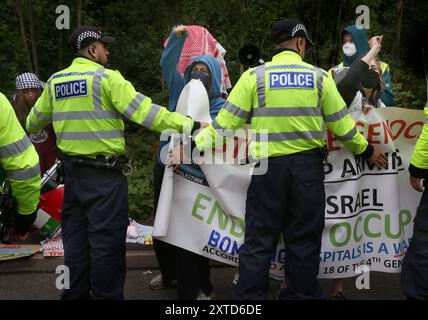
(349, 49)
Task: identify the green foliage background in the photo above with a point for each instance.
(141, 27)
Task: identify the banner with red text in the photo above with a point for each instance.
(369, 211)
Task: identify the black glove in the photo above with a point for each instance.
(367, 154)
(196, 126)
(24, 222)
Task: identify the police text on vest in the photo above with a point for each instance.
(71, 89)
(291, 80)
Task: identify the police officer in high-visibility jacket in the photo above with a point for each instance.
(289, 98)
(20, 163)
(85, 103)
(414, 273)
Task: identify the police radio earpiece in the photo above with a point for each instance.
(250, 56)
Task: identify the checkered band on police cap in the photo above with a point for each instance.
(297, 28)
(28, 80)
(286, 29)
(85, 35)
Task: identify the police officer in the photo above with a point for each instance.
(289, 98)
(19, 163)
(85, 103)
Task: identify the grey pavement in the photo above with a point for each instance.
(35, 277)
(41, 286)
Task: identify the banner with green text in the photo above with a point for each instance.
(369, 211)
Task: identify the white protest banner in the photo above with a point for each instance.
(193, 102)
(369, 211)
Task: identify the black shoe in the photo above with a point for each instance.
(280, 294)
(337, 296)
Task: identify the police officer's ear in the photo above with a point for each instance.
(92, 51)
(301, 46)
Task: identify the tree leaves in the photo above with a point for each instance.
(141, 27)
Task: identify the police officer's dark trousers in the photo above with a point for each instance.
(288, 199)
(94, 224)
(414, 273)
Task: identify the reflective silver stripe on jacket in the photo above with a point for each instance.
(42, 117)
(88, 135)
(151, 116)
(133, 106)
(24, 174)
(320, 74)
(287, 136)
(337, 115)
(15, 148)
(241, 113)
(50, 92)
(347, 136)
(96, 89)
(84, 115)
(34, 126)
(261, 85)
(220, 130)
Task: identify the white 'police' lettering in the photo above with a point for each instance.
(71, 89)
(291, 80)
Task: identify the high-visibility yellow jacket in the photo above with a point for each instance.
(85, 103)
(290, 99)
(19, 160)
(419, 162)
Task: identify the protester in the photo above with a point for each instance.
(360, 88)
(28, 90)
(355, 45)
(191, 270)
(200, 42)
(363, 83)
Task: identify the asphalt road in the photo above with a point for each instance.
(41, 286)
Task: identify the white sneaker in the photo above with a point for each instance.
(203, 296)
(235, 278)
(157, 283)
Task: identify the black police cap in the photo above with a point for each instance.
(289, 28)
(83, 36)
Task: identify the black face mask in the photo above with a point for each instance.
(370, 79)
(205, 79)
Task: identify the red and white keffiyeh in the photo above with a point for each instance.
(200, 42)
